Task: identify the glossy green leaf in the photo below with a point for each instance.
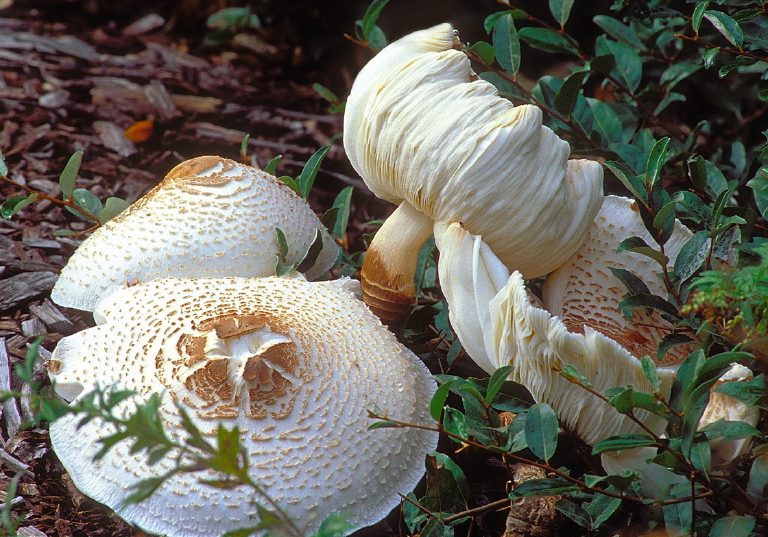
(272, 164)
(438, 400)
(738, 61)
(455, 423)
(491, 20)
(676, 73)
(623, 401)
(85, 200)
(506, 44)
(656, 161)
(606, 122)
(307, 177)
(633, 284)
(692, 255)
(547, 40)
(484, 51)
(548, 486)
(343, 203)
(571, 373)
(698, 15)
(566, 97)
(629, 65)
(733, 526)
(112, 207)
(730, 430)
(575, 512)
(631, 181)
(669, 341)
(69, 175)
(638, 245)
(626, 441)
(651, 373)
(13, 205)
(709, 55)
(447, 486)
(496, 381)
(312, 254)
(541, 428)
(371, 15)
(727, 26)
(644, 300)
(758, 478)
(663, 217)
(619, 31)
(325, 93)
(561, 10)
(602, 507)
(244, 147)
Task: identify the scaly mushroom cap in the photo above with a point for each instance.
(584, 292)
(424, 132)
(209, 217)
(295, 365)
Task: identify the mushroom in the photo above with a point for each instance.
(424, 132)
(209, 217)
(295, 365)
(577, 324)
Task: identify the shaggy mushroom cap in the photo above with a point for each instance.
(209, 217)
(498, 324)
(424, 132)
(295, 365)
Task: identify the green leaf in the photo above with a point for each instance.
(13, 205)
(69, 175)
(571, 373)
(447, 486)
(491, 20)
(730, 430)
(547, 486)
(656, 161)
(87, 201)
(496, 381)
(692, 255)
(325, 93)
(547, 40)
(663, 217)
(624, 401)
(282, 242)
(368, 22)
(669, 341)
(272, 165)
(733, 526)
(708, 56)
(644, 300)
(575, 512)
(306, 179)
(639, 246)
(621, 442)
(541, 428)
(698, 14)
(112, 207)
(383, 424)
(727, 26)
(602, 507)
(312, 253)
(629, 65)
(758, 478)
(455, 423)
(619, 31)
(506, 44)
(566, 97)
(343, 203)
(438, 400)
(244, 147)
(484, 51)
(650, 372)
(631, 181)
(561, 10)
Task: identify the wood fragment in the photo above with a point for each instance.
(52, 317)
(32, 328)
(26, 286)
(10, 412)
(30, 531)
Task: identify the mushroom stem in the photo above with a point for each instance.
(389, 268)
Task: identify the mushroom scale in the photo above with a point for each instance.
(295, 365)
(423, 131)
(209, 217)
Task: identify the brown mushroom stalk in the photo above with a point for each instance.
(389, 268)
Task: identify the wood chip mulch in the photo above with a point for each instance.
(64, 88)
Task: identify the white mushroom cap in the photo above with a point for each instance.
(424, 132)
(209, 217)
(295, 365)
(584, 292)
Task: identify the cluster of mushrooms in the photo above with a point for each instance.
(190, 307)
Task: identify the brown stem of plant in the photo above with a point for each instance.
(697, 39)
(66, 203)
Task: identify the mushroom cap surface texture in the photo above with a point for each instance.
(209, 217)
(421, 127)
(295, 365)
(498, 324)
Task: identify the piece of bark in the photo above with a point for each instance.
(33, 327)
(10, 412)
(50, 315)
(26, 286)
(30, 531)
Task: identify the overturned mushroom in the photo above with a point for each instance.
(424, 132)
(209, 217)
(498, 324)
(295, 365)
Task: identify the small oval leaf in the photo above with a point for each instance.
(541, 427)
